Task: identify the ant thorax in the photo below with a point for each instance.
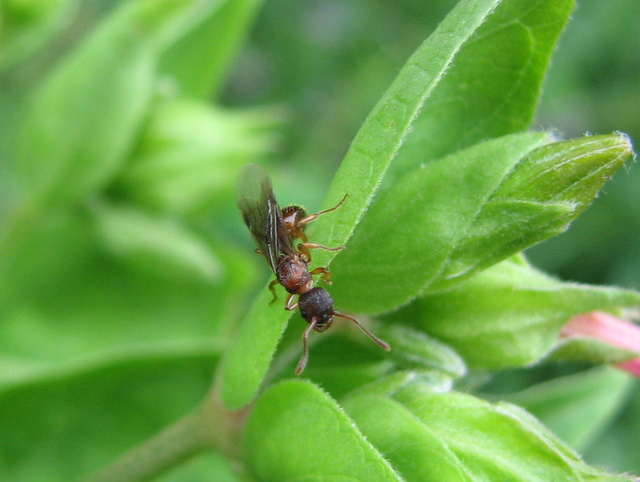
(292, 215)
(293, 273)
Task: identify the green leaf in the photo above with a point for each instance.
(409, 234)
(453, 217)
(589, 350)
(411, 447)
(433, 109)
(428, 435)
(393, 119)
(414, 349)
(508, 315)
(85, 117)
(496, 442)
(296, 431)
(493, 85)
(159, 245)
(199, 61)
(577, 407)
(410, 381)
(547, 190)
(37, 410)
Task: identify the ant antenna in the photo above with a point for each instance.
(314, 216)
(381, 343)
(314, 323)
(305, 349)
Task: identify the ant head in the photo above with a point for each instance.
(316, 306)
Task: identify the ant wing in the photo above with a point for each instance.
(261, 213)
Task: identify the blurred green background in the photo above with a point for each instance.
(321, 66)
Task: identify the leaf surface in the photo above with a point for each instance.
(510, 314)
(296, 431)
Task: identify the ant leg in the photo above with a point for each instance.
(298, 232)
(273, 290)
(305, 247)
(305, 349)
(304, 251)
(290, 305)
(312, 217)
(324, 273)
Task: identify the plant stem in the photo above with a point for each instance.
(211, 426)
(166, 449)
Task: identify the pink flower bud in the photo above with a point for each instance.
(607, 328)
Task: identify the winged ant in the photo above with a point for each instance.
(274, 231)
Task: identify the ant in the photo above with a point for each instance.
(274, 231)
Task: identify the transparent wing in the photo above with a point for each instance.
(261, 213)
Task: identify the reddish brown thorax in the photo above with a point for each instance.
(293, 273)
(292, 215)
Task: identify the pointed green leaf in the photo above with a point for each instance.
(513, 433)
(155, 244)
(577, 407)
(408, 236)
(493, 86)
(497, 442)
(571, 171)
(589, 350)
(452, 436)
(414, 349)
(296, 431)
(451, 218)
(408, 443)
(547, 190)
